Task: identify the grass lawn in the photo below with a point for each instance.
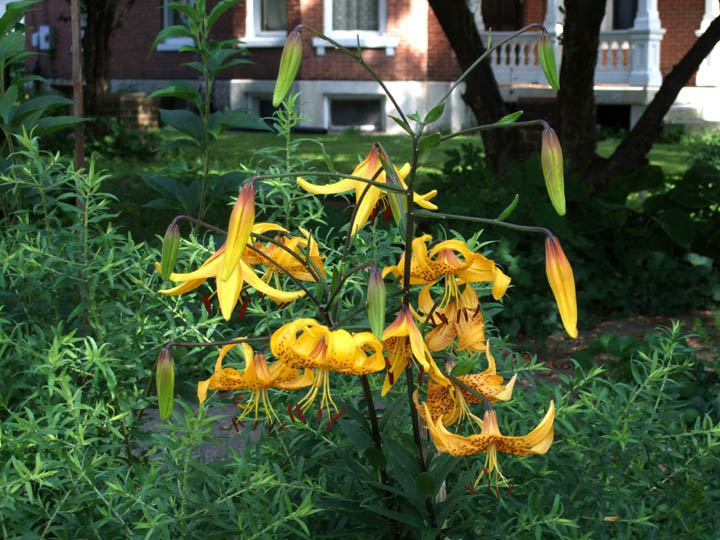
(236, 150)
(674, 158)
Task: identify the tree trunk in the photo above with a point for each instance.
(482, 94)
(574, 115)
(631, 153)
(96, 52)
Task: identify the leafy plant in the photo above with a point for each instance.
(198, 125)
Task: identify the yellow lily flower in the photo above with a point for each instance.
(472, 268)
(490, 440)
(451, 407)
(271, 255)
(228, 290)
(305, 343)
(461, 318)
(257, 377)
(367, 169)
(562, 282)
(403, 341)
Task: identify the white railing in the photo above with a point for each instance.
(516, 62)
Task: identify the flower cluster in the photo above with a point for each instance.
(446, 319)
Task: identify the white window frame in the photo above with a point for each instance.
(369, 39)
(254, 35)
(365, 128)
(173, 43)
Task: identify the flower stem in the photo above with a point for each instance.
(524, 228)
(485, 127)
(372, 413)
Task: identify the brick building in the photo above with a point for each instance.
(640, 42)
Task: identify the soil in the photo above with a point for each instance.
(557, 350)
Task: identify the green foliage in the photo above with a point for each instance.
(18, 111)
(618, 246)
(198, 126)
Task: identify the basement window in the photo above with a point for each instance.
(364, 114)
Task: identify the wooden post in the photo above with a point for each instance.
(77, 84)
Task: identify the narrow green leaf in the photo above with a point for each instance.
(509, 118)
(51, 124)
(14, 12)
(427, 142)
(402, 124)
(375, 457)
(435, 113)
(242, 118)
(7, 102)
(509, 209)
(414, 116)
(181, 90)
(184, 121)
(220, 8)
(171, 32)
(425, 484)
(40, 103)
(11, 44)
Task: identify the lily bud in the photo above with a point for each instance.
(546, 54)
(239, 229)
(289, 66)
(562, 282)
(165, 382)
(552, 166)
(170, 247)
(376, 302)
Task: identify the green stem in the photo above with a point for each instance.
(496, 125)
(360, 61)
(374, 423)
(487, 53)
(524, 228)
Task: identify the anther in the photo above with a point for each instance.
(289, 409)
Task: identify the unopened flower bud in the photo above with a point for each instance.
(170, 247)
(562, 282)
(165, 382)
(552, 166)
(242, 219)
(289, 66)
(376, 302)
(546, 54)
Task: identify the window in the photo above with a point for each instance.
(172, 17)
(265, 23)
(502, 15)
(358, 112)
(352, 15)
(346, 21)
(624, 14)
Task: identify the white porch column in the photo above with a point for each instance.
(475, 7)
(553, 23)
(646, 35)
(708, 73)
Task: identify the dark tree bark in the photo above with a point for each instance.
(631, 153)
(574, 115)
(104, 17)
(482, 94)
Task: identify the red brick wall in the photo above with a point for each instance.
(535, 11)
(408, 63)
(441, 64)
(680, 20)
(422, 54)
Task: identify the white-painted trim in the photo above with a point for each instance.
(254, 36)
(368, 39)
